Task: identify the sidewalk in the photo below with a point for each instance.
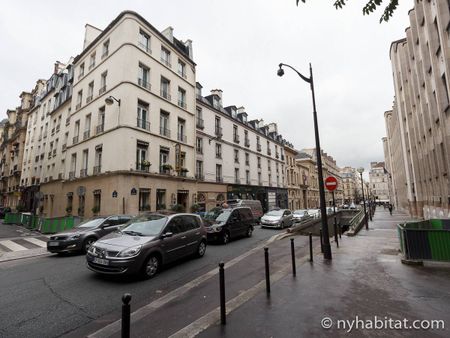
(365, 279)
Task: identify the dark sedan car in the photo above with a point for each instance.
(81, 237)
(146, 243)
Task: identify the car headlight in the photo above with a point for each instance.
(75, 236)
(130, 252)
(217, 228)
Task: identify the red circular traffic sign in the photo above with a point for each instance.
(331, 183)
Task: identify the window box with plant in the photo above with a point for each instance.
(183, 172)
(166, 168)
(145, 164)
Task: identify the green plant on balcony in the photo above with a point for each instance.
(177, 208)
(184, 170)
(195, 208)
(166, 167)
(145, 163)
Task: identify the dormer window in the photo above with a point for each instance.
(216, 102)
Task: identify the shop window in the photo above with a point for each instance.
(160, 199)
(144, 199)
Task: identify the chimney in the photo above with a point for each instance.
(188, 45)
(217, 92)
(168, 33)
(241, 110)
(273, 127)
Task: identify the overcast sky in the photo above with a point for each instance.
(238, 45)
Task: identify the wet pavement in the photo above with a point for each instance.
(364, 291)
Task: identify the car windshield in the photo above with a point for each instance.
(299, 212)
(223, 216)
(145, 225)
(91, 223)
(212, 214)
(275, 213)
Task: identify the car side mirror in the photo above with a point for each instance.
(167, 234)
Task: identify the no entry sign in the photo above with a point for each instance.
(331, 183)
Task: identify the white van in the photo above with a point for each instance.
(254, 205)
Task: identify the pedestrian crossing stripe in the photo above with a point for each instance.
(12, 246)
(22, 244)
(36, 241)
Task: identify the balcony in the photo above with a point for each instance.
(236, 160)
(60, 176)
(219, 179)
(64, 147)
(86, 134)
(102, 90)
(144, 47)
(218, 132)
(247, 162)
(83, 172)
(54, 152)
(144, 124)
(165, 94)
(99, 129)
(67, 121)
(97, 169)
(200, 176)
(53, 131)
(166, 62)
(258, 147)
(142, 166)
(236, 138)
(92, 65)
(199, 151)
(39, 137)
(182, 74)
(237, 181)
(269, 152)
(259, 165)
(164, 132)
(182, 104)
(89, 98)
(105, 54)
(49, 154)
(78, 106)
(71, 175)
(144, 84)
(277, 155)
(219, 156)
(282, 157)
(75, 140)
(57, 128)
(182, 137)
(200, 123)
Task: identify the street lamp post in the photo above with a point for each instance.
(323, 211)
(361, 170)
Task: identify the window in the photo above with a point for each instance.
(76, 132)
(101, 120)
(98, 159)
(200, 123)
(218, 128)
(103, 83)
(269, 151)
(141, 156)
(92, 61)
(160, 199)
(81, 71)
(269, 167)
(165, 56)
(144, 76)
(247, 159)
(73, 166)
(258, 144)
(181, 97)
(69, 205)
(219, 173)
(235, 134)
(165, 88)
(199, 145)
(87, 127)
(218, 150)
(181, 130)
(259, 162)
(247, 176)
(181, 68)
(105, 49)
(199, 170)
(246, 139)
(236, 176)
(164, 160)
(144, 41)
(259, 179)
(79, 99)
(84, 163)
(97, 201)
(142, 115)
(164, 124)
(90, 92)
(144, 199)
(236, 156)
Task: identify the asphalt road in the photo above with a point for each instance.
(52, 296)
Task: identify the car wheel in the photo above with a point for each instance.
(151, 267)
(88, 243)
(249, 232)
(201, 250)
(225, 237)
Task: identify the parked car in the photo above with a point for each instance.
(301, 215)
(281, 218)
(231, 223)
(254, 205)
(352, 206)
(314, 213)
(147, 242)
(81, 237)
(4, 211)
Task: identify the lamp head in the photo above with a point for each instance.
(360, 170)
(280, 71)
(109, 100)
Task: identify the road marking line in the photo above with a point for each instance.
(13, 246)
(36, 241)
(144, 311)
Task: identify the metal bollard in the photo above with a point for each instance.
(321, 241)
(310, 248)
(340, 231)
(266, 259)
(126, 298)
(336, 235)
(223, 315)
(294, 270)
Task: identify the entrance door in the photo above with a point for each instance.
(182, 198)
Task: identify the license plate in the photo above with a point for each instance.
(53, 243)
(101, 261)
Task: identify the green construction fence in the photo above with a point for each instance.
(44, 225)
(425, 240)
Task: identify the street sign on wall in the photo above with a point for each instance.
(331, 183)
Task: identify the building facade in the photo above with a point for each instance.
(349, 185)
(379, 182)
(420, 116)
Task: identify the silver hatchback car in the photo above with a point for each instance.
(147, 242)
